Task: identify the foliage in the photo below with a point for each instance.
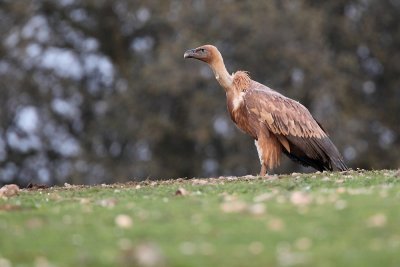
(98, 91)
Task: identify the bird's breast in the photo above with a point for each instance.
(237, 100)
(239, 114)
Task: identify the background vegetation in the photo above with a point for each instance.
(97, 91)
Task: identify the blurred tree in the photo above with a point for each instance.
(364, 42)
(97, 91)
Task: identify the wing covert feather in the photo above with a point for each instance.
(282, 115)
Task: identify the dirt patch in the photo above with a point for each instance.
(33, 186)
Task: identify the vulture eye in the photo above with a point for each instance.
(202, 50)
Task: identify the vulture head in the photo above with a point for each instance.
(206, 53)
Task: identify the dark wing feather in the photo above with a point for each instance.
(302, 138)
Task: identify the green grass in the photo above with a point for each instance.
(326, 219)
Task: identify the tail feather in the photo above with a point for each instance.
(305, 161)
(319, 153)
(332, 154)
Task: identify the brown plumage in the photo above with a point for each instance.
(277, 123)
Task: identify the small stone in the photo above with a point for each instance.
(181, 192)
(300, 199)
(107, 202)
(9, 190)
(123, 221)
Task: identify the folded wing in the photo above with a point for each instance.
(302, 138)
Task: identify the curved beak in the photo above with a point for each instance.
(189, 53)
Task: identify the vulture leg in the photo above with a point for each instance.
(263, 171)
(269, 152)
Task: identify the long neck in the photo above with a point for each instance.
(221, 74)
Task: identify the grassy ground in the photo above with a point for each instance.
(327, 219)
